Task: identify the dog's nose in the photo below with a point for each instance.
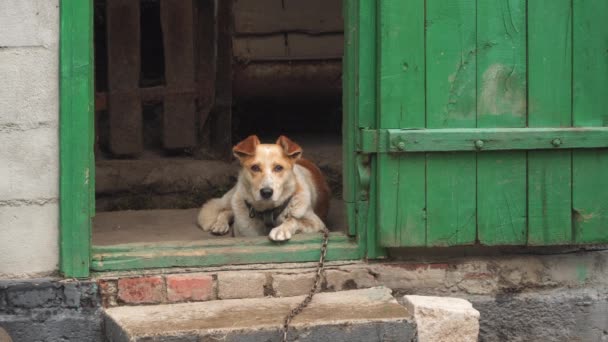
(266, 193)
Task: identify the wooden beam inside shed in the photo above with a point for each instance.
(206, 36)
(179, 115)
(220, 126)
(124, 65)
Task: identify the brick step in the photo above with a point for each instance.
(357, 315)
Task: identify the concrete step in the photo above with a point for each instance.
(356, 315)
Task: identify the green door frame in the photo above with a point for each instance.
(77, 167)
(76, 133)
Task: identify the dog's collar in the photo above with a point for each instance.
(269, 216)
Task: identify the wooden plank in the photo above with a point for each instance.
(590, 103)
(366, 77)
(401, 184)
(550, 105)
(179, 110)
(258, 16)
(77, 186)
(148, 95)
(235, 251)
(482, 139)
(350, 182)
(501, 102)
(272, 16)
(255, 48)
(205, 22)
(451, 103)
(303, 79)
(219, 126)
(296, 46)
(305, 46)
(202, 244)
(124, 68)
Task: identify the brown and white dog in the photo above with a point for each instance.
(276, 189)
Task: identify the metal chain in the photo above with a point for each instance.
(295, 311)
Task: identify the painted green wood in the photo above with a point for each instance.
(493, 139)
(451, 103)
(76, 136)
(349, 127)
(301, 248)
(590, 108)
(501, 102)
(366, 117)
(550, 105)
(401, 179)
(366, 69)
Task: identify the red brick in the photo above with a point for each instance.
(189, 287)
(108, 290)
(144, 290)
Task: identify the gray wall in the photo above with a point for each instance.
(29, 151)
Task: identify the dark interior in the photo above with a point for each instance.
(248, 79)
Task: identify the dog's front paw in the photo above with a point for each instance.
(219, 228)
(280, 234)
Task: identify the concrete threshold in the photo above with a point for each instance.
(357, 315)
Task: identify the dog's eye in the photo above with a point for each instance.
(256, 168)
(278, 168)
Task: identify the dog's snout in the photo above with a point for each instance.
(266, 193)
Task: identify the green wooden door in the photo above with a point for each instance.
(491, 122)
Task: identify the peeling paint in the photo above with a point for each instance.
(502, 92)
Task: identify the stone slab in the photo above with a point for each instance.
(358, 315)
(443, 319)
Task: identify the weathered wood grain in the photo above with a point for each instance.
(179, 110)
(401, 178)
(206, 54)
(451, 103)
(590, 108)
(124, 68)
(272, 16)
(550, 105)
(482, 139)
(501, 102)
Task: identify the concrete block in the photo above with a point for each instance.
(71, 293)
(411, 276)
(29, 91)
(33, 296)
(565, 314)
(29, 239)
(30, 164)
(190, 287)
(338, 280)
(358, 315)
(240, 285)
(59, 326)
(29, 23)
(443, 319)
(288, 285)
(142, 290)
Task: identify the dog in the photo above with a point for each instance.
(277, 190)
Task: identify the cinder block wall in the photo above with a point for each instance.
(29, 146)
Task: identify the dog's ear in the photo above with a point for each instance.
(291, 149)
(246, 148)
